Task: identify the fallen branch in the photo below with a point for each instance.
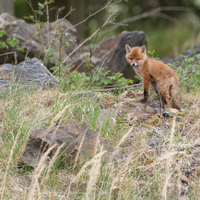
(80, 45)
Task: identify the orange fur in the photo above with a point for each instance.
(156, 73)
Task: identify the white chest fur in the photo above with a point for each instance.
(137, 71)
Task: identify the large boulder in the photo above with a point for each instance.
(111, 53)
(75, 137)
(34, 44)
(31, 73)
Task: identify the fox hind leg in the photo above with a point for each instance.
(175, 97)
(165, 93)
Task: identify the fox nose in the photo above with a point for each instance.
(133, 64)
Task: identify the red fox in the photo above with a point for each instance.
(161, 76)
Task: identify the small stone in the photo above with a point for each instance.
(178, 119)
(154, 104)
(155, 141)
(157, 131)
(171, 112)
(157, 110)
(184, 179)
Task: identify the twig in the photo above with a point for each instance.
(12, 52)
(71, 10)
(91, 15)
(80, 45)
(48, 34)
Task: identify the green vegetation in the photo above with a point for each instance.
(10, 42)
(189, 73)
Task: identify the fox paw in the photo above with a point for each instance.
(143, 100)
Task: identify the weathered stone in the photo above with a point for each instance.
(35, 45)
(111, 53)
(75, 136)
(31, 73)
(158, 132)
(178, 119)
(170, 112)
(154, 104)
(155, 141)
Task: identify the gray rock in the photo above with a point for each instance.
(28, 74)
(154, 104)
(190, 53)
(74, 136)
(33, 44)
(158, 132)
(157, 110)
(155, 141)
(178, 119)
(171, 112)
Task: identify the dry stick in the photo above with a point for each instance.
(71, 10)
(48, 33)
(31, 6)
(153, 12)
(168, 163)
(36, 20)
(9, 161)
(91, 15)
(80, 45)
(49, 44)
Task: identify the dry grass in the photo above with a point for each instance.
(143, 172)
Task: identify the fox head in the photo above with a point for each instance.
(136, 56)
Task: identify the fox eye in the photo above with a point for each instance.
(138, 58)
(131, 58)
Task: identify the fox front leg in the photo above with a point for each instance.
(146, 90)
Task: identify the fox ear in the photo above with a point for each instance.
(143, 49)
(128, 48)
